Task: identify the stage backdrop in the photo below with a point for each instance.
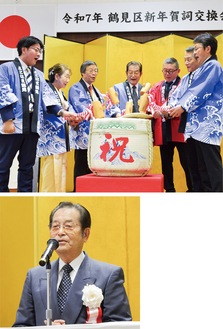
(111, 55)
(24, 234)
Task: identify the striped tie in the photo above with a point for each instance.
(29, 82)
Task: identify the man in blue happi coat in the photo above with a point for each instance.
(203, 103)
(23, 99)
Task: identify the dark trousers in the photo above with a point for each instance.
(209, 166)
(25, 144)
(80, 165)
(167, 156)
(194, 167)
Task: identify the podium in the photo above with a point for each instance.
(93, 183)
(104, 325)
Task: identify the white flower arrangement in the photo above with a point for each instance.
(92, 298)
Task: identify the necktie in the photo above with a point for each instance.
(167, 89)
(91, 91)
(183, 117)
(29, 89)
(191, 75)
(135, 99)
(64, 287)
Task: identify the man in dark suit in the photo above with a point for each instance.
(70, 226)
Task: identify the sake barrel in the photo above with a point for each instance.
(120, 147)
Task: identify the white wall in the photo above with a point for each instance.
(8, 2)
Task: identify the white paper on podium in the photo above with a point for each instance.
(104, 325)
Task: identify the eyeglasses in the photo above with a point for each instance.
(66, 227)
(165, 71)
(37, 50)
(92, 71)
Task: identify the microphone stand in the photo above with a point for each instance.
(48, 310)
(45, 260)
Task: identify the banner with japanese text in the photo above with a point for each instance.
(21, 20)
(141, 16)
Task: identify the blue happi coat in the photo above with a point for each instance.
(80, 99)
(11, 96)
(56, 136)
(203, 102)
(123, 96)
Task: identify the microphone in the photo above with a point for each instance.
(52, 245)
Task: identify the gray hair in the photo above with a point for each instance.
(85, 65)
(171, 60)
(190, 49)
